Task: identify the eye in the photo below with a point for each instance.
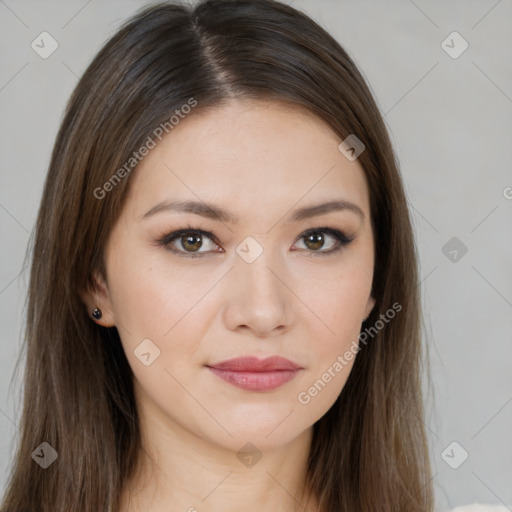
(315, 239)
(188, 242)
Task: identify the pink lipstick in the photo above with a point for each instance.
(255, 374)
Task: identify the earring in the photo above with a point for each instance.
(96, 313)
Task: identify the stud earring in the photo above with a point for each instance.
(96, 313)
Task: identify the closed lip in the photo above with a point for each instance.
(255, 365)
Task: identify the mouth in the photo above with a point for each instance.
(253, 374)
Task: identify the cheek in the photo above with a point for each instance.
(156, 300)
(334, 345)
(339, 299)
(141, 292)
(161, 305)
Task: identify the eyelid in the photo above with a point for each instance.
(330, 231)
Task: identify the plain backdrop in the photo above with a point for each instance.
(450, 119)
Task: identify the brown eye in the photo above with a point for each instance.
(188, 242)
(314, 240)
(191, 242)
(324, 241)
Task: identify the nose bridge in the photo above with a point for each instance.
(256, 265)
(258, 298)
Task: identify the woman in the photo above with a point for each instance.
(223, 307)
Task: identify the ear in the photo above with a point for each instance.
(369, 306)
(97, 296)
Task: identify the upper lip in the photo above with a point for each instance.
(253, 364)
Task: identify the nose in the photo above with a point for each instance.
(258, 297)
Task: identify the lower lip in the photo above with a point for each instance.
(256, 381)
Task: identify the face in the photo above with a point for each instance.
(258, 273)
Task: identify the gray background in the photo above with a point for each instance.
(450, 120)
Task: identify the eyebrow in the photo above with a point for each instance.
(214, 212)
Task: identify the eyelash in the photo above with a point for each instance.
(165, 241)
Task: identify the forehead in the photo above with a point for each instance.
(257, 157)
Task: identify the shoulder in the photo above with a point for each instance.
(481, 508)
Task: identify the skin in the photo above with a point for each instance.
(260, 161)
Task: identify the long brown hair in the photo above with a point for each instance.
(369, 451)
